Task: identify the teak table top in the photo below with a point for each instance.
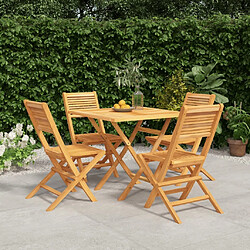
(108, 114)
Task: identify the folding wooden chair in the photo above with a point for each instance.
(89, 101)
(193, 122)
(62, 156)
(191, 99)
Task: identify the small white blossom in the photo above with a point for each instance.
(25, 138)
(19, 126)
(2, 150)
(1, 136)
(12, 135)
(27, 160)
(7, 164)
(11, 144)
(19, 132)
(32, 141)
(30, 128)
(22, 144)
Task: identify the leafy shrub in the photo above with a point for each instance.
(41, 58)
(173, 93)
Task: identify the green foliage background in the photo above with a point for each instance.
(41, 58)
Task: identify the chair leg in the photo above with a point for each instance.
(62, 196)
(153, 193)
(211, 198)
(183, 172)
(81, 168)
(151, 198)
(35, 190)
(87, 191)
(79, 179)
(189, 186)
(207, 174)
(130, 185)
(111, 160)
(169, 206)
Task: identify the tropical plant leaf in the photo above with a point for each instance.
(214, 76)
(219, 128)
(222, 91)
(220, 98)
(207, 69)
(199, 77)
(197, 70)
(214, 84)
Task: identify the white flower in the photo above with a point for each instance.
(5, 135)
(19, 126)
(1, 136)
(5, 141)
(19, 132)
(7, 163)
(30, 128)
(27, 160)
(32, 141)
(11, 144)
(23, 144)
(12, 135)
(25, 138)
(2, 149)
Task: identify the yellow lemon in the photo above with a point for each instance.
(122, 102)
(127, 106)
(117, 106)
(124, 106)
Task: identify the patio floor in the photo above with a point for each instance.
(78, 223)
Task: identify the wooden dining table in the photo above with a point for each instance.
(139, 115)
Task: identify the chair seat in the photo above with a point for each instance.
(167, 139)
(76, 151)
(180, 159)
(94, 138)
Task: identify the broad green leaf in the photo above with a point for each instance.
(214, 84)
(197, 70)
(219, 128)
(207, 69)
(220, 98)
(214, 76)
(199, 77)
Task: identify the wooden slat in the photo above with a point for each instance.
(60, 171)
(150, 130)
(179, 180)
(190, 200)
(173, 191)
(50, 189)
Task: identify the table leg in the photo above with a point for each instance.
(119, 157)
(156, 145)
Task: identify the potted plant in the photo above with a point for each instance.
(239, 125)
(129, 75)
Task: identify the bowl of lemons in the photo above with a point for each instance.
(121, 106)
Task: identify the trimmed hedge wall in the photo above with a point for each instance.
(41, 58)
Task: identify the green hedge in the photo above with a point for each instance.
(41, 58)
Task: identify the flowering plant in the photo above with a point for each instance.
(16, 147)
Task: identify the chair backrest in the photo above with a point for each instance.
(194, 99)
(43, 121)
(195, 122)
(80, 100)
